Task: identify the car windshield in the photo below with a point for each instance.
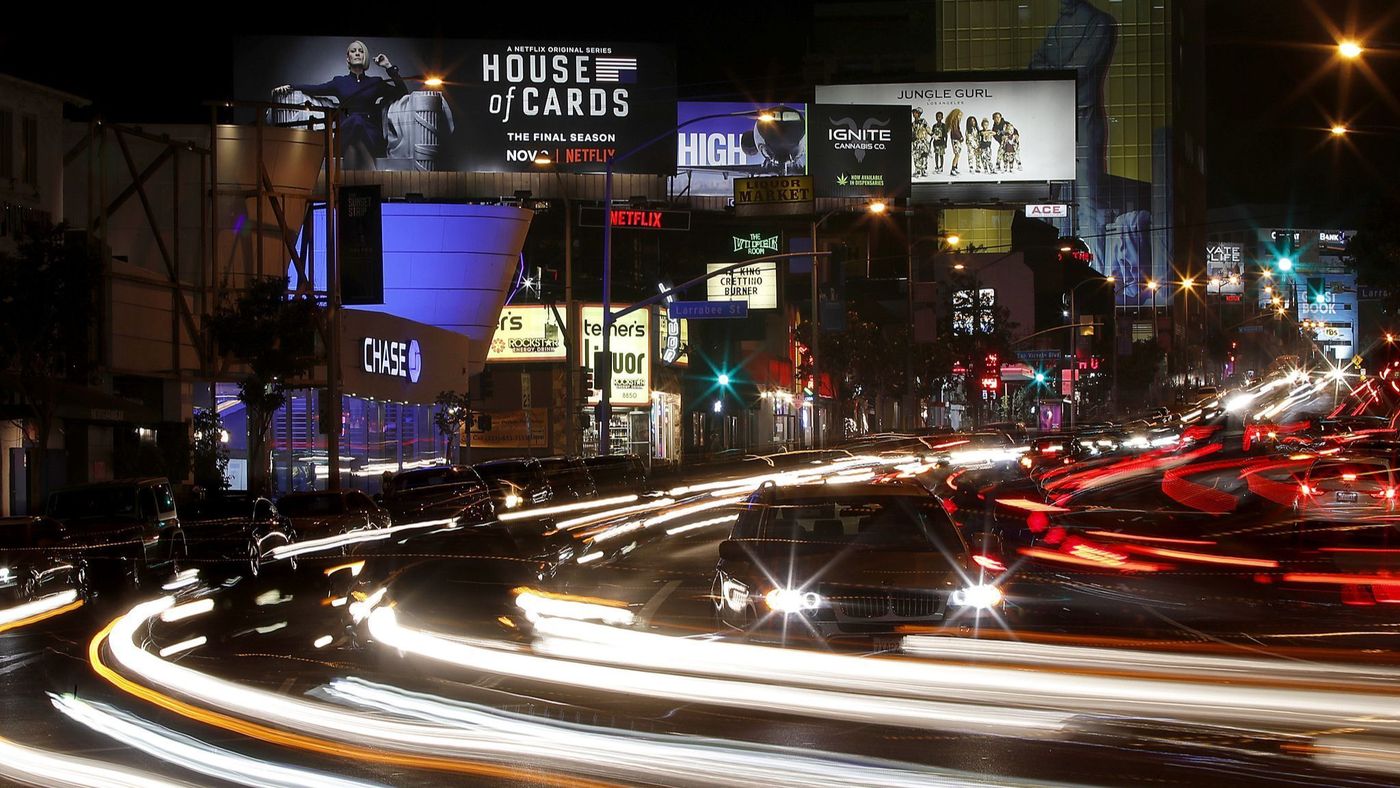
(114, 501)
(885, 521)
(311, 505)
(515, 472)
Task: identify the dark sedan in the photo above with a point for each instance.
(618, 474)
(442, 492)
(237, 532)
(861, 561)
(317, 515)
(36, 560)
(568, 478)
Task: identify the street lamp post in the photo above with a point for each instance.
(604, 412)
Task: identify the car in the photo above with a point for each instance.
(568, 478)
(618, 474)
(123, 529)
(1350, 489)
(36, 560)
(329, 513)
(858, 562)
(516, 482)
(450, 492)
(236, 532)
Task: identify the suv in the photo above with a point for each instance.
(129, 525)
(1358, 489)
(516, 482)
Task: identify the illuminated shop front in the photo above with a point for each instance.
(392, 370)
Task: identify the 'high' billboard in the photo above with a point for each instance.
(719, 141)
(472, 106)
(980, 131)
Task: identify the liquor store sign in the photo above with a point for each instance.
(631, 354)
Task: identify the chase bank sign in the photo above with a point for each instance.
(393, 358)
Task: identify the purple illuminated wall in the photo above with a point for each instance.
(445, 264)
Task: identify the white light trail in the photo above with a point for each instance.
(189, 610)
(537, 604)
(41, 767)
(680, 529)
(190, 753)
(184, 645)
(37, 607)
(550, 511)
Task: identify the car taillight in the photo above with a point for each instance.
(1305, 490)
(987, 562)
(949, 506)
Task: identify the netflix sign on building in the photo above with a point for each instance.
(473, 106)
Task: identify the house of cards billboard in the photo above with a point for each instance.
(712, 152)
(472, 106)
(972, 131)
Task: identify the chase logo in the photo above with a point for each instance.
(615, 69)
(415, 361)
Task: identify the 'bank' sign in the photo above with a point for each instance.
(391, 357)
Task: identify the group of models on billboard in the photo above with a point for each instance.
(992, 147)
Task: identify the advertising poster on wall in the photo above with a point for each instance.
(1225, 269)
(528, 333)
(631, 353)
(979, 130)
(860, 150)
(471, 105)
(514, 429)
(712, 152)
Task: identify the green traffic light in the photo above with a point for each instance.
(723, 380)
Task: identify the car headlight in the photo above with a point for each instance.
(735, 594)
(979, 596)
(786, 600)
(5, 574)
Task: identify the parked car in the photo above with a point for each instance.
(618, 474)
(121, 529)
(516, 482)
(36, 559)
(569, 479)
(859, 561)
(236, 532)
(330, 513)
(455, 492)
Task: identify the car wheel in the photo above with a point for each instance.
(29, 586)
(253, 557)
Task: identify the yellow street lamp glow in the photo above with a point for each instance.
(1152, 284)
(1110, 279)
(1339, 130)
(878, 207)
(1390, 337)
(958, 266)
(953, 240)
(767, 117)
(432, 82)
(1188, 283)
(1350, 50)
(543, 159)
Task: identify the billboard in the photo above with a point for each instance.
(631, 354)
(712, 151)
(528, 333)
(471, 105)
(979, 131)
(860, 150)
(1225, 269)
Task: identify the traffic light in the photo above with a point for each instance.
(991, 373)
(1317, 290)
(485, 386)
(483, 422)
(585, 379)
(723, 379)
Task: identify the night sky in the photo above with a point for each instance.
(1274, 84)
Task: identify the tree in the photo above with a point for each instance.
(454, 412)
(48, 308)
(210, 458)
(272, 333)
(1375, 251)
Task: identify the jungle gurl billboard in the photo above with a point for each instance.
(979, 131)
(472, 106)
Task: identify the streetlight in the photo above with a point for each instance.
(1349, 50)
(1338, 130)
(604, 412)
(1152, 285)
